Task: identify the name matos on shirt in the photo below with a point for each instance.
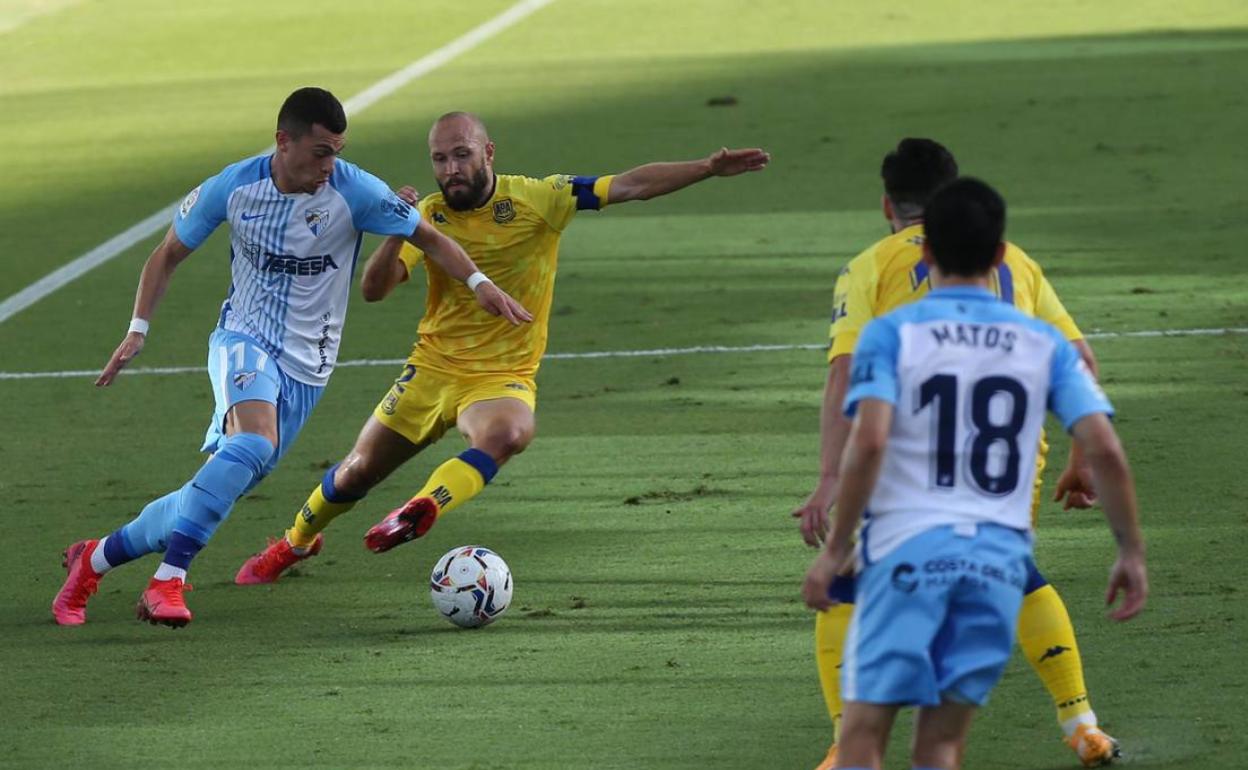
(970, 379)
(292, 255)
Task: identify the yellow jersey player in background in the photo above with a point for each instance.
(887, 275)
(469, 370)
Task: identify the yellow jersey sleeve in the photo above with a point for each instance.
(559, 196)
(852, 304)
(411, 257)
(1050, 308)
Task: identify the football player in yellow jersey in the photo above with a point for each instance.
(469, 370)
(892, 273)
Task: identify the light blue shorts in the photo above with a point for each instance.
(241, 370)
(935, 619)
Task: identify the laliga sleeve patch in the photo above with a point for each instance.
(189, 202)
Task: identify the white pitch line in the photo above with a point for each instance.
(654, 353)
(119, 243)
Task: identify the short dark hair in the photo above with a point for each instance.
(311, 106)
(965, 224)
(916, 170)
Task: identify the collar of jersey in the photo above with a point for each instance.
(962, 292)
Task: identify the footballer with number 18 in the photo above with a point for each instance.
(948, 397)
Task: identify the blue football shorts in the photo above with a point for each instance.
(241, 370)
(934, 620)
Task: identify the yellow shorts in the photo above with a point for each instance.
(422, 405)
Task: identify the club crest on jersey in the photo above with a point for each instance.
(243, 380)
(504, 212)
(439, 217)
(316, 220)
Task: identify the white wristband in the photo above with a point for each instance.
(139, 325)
(476, 279)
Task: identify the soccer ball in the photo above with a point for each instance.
(471, 586)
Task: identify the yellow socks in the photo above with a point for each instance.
(1048, 640)
(323, 506)
(459, 479)
(831, 626)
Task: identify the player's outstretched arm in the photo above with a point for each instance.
(860, 469)
(452, 258)
(655, 179)
(153, 281)
(833, 432)
(1075, 482)
(1116, 489)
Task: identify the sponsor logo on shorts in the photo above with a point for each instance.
(904, 579)
(504, 211)
(966, 571)
(243, 380)
(516, 386)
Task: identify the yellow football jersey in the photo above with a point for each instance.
(514, 239)
(892, 273)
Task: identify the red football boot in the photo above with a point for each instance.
(409, 522)
(162, 603)
(268, 565)
(69, 608)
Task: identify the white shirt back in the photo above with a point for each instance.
(970, 379)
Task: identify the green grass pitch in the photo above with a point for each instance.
(657, 622)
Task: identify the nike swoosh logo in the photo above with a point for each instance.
(249, 217)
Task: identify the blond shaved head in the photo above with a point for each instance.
(463, 126)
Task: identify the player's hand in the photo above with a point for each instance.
(827, 565)
(498, 302)
(1075, 484)
(728, 162)
(1129, 576)
(812, 515)
(408, 194)
(124, 354)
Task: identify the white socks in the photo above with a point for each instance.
(98, 563)
(169, 572)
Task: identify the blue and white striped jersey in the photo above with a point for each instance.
(969, 378)
(292, 256)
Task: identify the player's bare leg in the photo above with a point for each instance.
(864, 734)
(497, 429)
(377, 453)
(940, 735)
